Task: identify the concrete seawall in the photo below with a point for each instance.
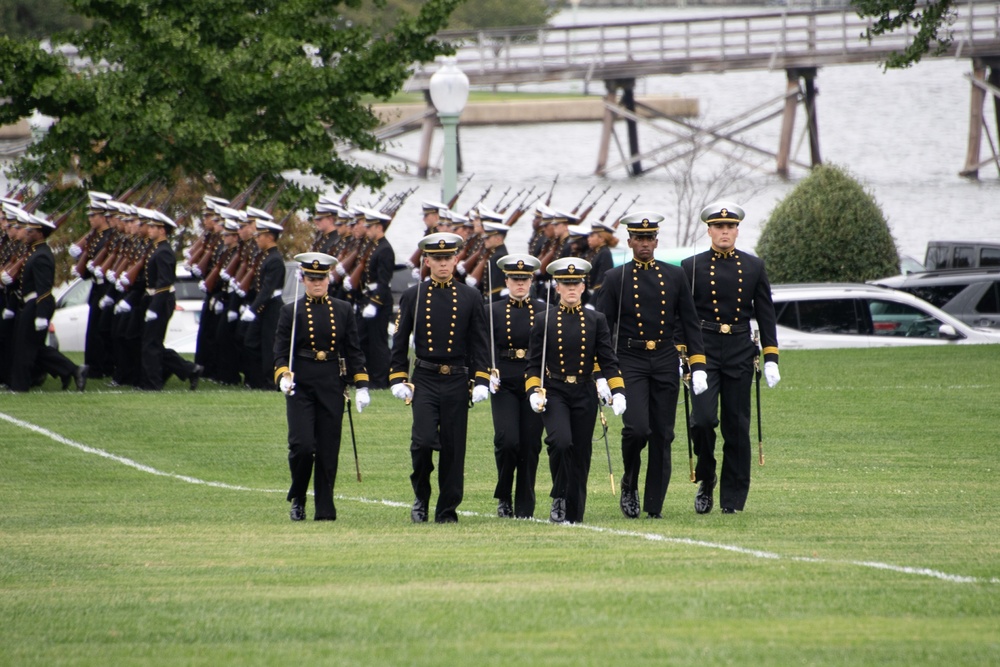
(513, 112)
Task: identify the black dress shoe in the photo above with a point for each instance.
(66, 379)
(629, 502)
(703, 498)
(558, 513)
(298, 511)
(728, 510)
(195, 376)
(418, 514)
(653, 515)
(505, 510)
(80, 375)
(447, 518)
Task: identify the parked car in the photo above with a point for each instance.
(972, 296)
(961, 254)
(68, 331)
(833, 315)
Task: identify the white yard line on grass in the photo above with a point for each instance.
(652, 537)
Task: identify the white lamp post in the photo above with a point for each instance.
(449, 93)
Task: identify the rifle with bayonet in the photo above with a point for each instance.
(586, 212)
(622, 214)
(454, 199)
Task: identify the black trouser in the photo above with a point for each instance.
(159, 362)
(730, 378)
(517, 442)
(95, 354)
(227, 349)
(315, 414)
(248, 342)
(651, 385)
(440, 419)
(6, 348)
(569, 418)
(32, 356)
(260, 340)
(374, 338)
(105, 326)
(205, 352)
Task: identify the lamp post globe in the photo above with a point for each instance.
(449, 88)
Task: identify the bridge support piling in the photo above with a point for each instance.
(608, 125)
(985, 79)
(810, 102)
(628, 101)
(788, 121)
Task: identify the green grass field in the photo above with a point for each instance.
(152, 529)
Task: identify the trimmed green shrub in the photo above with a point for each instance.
(828, 229)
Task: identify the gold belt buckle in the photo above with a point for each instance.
(650, 344)
(725, 328)
(570, 379)
(320, 355)
(519, 354)
(445, 369)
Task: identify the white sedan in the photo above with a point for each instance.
(831, 315)
(68, 330)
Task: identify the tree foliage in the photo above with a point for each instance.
(828, 229)
(216, 90)
(931, 20)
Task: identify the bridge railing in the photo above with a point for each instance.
(706, 44)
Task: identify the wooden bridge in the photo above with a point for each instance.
(800, 42)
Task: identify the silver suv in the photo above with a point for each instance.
(972, 296)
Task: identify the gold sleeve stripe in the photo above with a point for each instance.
(480, 374)
(698, 359)
(361, 377)
(533, 381)
(616, 383)
(281, 371)
(770, 350)
(396, 376)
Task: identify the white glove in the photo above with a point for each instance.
(195, 271)
(494, 383)
(218, 307)
(480, 393)
(73, 272)
(341, 271)
(603, 391)
(124, 306)
(150, 315)
(105, 302)
(224, 275)
(348, 285)
(286, 385)
(187, 253)
(5, 278)
(239, 291)
(460, 267)
(248, 316)
(470, 281)
(369, 311)
(75, 251)
(409, 264)
(537, 402)
(415, 274)
(202, 286)
(90, 265)
(111, 276)
(41, 324)
(98, 273)
(123, 281)
(699, 382)
(504, 292)
(362, 399)
(8, 314)
(618, 404)
(771, 373)
(231, 316)
(401, 391)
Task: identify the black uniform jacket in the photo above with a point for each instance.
(511, 329)
(654, 306)
(450, 329)
(578, 346)
(378, 274)
(731, 288)
(325, 332)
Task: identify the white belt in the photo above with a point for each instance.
(372, 287)
(276, 294)
(30, 296)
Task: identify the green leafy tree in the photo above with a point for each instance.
(828, 229)
(217, 91)
(931, 21)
